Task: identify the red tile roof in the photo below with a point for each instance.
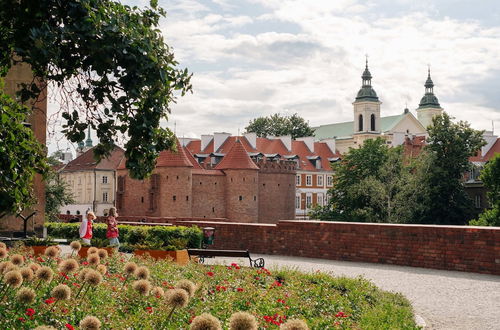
(237, 158)
(191, 159)
(169, 158)
(495, 149)
(86, 161)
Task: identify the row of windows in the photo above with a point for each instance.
(321, 200)
(319, 180)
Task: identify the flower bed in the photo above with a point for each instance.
(143, 295)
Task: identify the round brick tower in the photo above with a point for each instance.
(242, 179)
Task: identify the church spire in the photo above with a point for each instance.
(88, 142)
(366, 93)
(429, 100)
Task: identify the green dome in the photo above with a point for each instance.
(367, 93)
(429, 101)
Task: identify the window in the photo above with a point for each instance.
(254, 198)
(319, 199)
(372, 122)
(308, 180)
(187, 198)
(297, 201)
(241, 198)
(104, 179)
(319, 178)
(79, 180)
(174, 198)
(104, 196)
(329, 181)
(308, 201)
(298, 179)
(360, 123)
(477, 201)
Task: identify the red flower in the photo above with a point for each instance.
(85, 263)
(51, 300)
(149, 310)
(341, 314)
(64, 311)
(21, 319)
(281, 301)
(76, 284)
(40, 259)
(220, 288)
(239, 289)
(30, 312)
(69, 326)
(230, 268)
(210, 274)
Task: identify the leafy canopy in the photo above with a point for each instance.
(490, 176)
(280, 125)
(57, 192)
(110, 63)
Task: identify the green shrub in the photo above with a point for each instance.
(152, 237)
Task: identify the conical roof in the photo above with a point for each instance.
(169, 158)
(429, 100)
(237, 158)
(366, 93)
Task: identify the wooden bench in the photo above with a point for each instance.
(209, 253)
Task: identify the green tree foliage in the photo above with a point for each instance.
(57, 192)
(111, 65)
(279, 125)
(22, 156)
(490, 176)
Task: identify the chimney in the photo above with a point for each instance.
(252, 139)
(287, 141)
(331, 144)
(205, 141)
(185, 141)
(490, 141)
(309, 141)
(219, 139)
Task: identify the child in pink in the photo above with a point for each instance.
(86, 228)
(112, 233)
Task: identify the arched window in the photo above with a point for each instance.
(372, 122)
(360, 123)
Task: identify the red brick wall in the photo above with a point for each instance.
(208, 196)
(242, 183)
(276, 196)
(471, 249)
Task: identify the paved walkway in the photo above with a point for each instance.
(444, 299)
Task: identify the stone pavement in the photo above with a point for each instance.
(443, 299)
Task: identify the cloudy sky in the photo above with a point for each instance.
(257, 57)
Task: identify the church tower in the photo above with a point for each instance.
(366, 107)
(429, 104)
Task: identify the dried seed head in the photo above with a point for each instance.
(27, 274)
(13, 278)
(93, 278)
(102, 253)
(3, 265)
(177, 298)
(142, 286)
(44, 274)
(68, 266)
(205, 321)
(10, 267)
(61, 292)
(242, 321)
(3, 246)
(26, 295)
(90, 323)
(34, 267)
(83, 272)
(187, 286)
(294, 325)
(142, 273)
(75, 245)
(44, 327)
(94, 259)
(92, 250)
(52, 252)
(3, 253)
(17, 259)
(102, 269)
(130, 268)
(158, 292)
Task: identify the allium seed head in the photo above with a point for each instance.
(26, 295)
(13, 278)
(142, 287)
(205, 321)
(130, 268)
(187, 286)
(102, 269)
(44, 274)
(158, 292)
(142, 273)
(294, 325)
(177, 298)
(92, 250)
(3, 253)
(90, 323)
(93, 277)
(61, 292)
(242, 321)
(3, 265)
(102, 253)
(34, 267)
(75, 245)
(83, 272)
(17, 259)
(10, 267)
(52, 252)
(27, 274)
(94, 259)
(3, 246)
(68, 266)
(44, 327)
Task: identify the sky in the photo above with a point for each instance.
(258, 57)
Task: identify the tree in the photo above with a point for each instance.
(279, 125)
(112, 70)
(449, 146)
(57, 193)
(22, 157)
(490, 176)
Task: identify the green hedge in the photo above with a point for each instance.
(152, 237)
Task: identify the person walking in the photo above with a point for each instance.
(86, 227)
(112, 232)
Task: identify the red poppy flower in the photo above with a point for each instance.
(210, 274)
(76, 284)
(69, 326)
(40, 259)
(341, 314)
(239, 289)
(21, 319)
(30, 312)
(149, 310)
(51, 300)
(85, 263)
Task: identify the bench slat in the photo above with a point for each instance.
(219, 253)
